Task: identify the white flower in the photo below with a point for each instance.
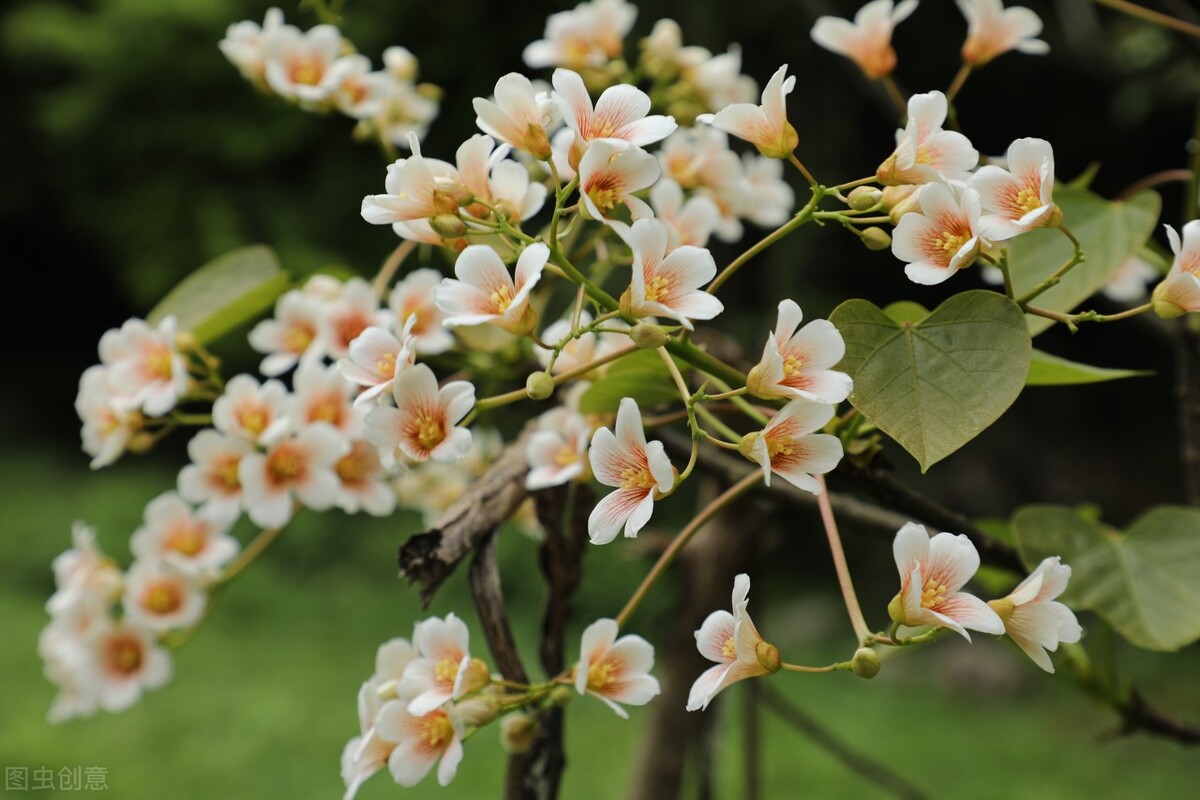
(291, 335)
(159, 597)
(798, 362)
(501, 182)
(992, 30)
(321, 394)
(944, 238)
(689, 222)
(107, 425)
(932, 571)
(636, 469)
(196, 544)
(1020, 198)
(367, 753)
(587, 36)
(868, 40)
(255, 413)
(375, 358)
(300, 466)
(718, 79)
(557, 450)
(243, 44)
(421, 426)
(412, 298)
(444, 670)
(212, 477)
(700, 159)
(122, 662)
(304, 67)
(403, 112)
(924, 152)
(576, 353)
(765, 126)
(362, 485)
(84, 577)
(1179, 293)
(1033, 618)
(400, 63)
(789, 447)
(617, 671)
(145, 371)
(763, 196)
(732, 641)
(359, 91)
(355, 310)
(484, 292)
(412, 190)
(419, 742)
(609, 173)
(668, 283)
(1128, 282)
(620, 113)
(518, 115)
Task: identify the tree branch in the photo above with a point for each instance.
(484, 580)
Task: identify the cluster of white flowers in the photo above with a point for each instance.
(319, 71)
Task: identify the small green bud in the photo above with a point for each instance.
(768, 656)
(141, 442)
(865, 663)
(1163, 305)
(896, 610)
(876, 238)
(560, 695)
(649, 337)
(186, 341)
(864, 198)
(448, 226)
(539, 385)
(517, 732)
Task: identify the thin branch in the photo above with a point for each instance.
(1167, 21)
(484, 580)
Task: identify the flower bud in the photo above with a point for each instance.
(886, 174)
(536, 143)
(768, 656)
(448, 226)
(445, 202)
(876, 238)
(539, 385)
(649, 337)
(141, 442)
(896, 609)
(560, 695)
(865, 663)
(901, 200)
(1164, 300)
(864, 198)
(476, 676)
(517, 732)
(186, 341)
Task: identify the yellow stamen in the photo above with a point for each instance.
(657, 288)
(933, 594)
(637, 478)
(427, 430)
(502, 298)
(162, 597)
(730, 649)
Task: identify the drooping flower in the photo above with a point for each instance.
(107, 425)
(798, 362)
(732, 641)
(868, 40)
(620, 113)
(789, 446)
(1179, 292)
(484, 292)
(666, 283)
(518, 115)
(765, 126)
(609, 173)
(375, 358)
(412, 298)
(636, 469)
(256, 413)
(412, 190)
(362, 485)
(689, 222)
(296, 469)
(419, 742)
(557, 450)
(924, 152)
(932, 571)
(145, 369)
(993, 30)
(212, 477)
(291, 335)
(159, 597)
(196, 544)
(944, 238)
(422, 425)
(1034, 618)
(444, 669)
(304, 66)
(616, 671)
(1020, 198)
(586, 36)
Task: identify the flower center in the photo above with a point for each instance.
(1027, 200)
(949, 242)
(602, 675)
(778, 445)
(327, 409)
(158, 364)
(226, 473)
(123, 654)
(187, 539)
(427, 430)
(933, 594)
(350, 327)
(604, 198)
(298, 338)
(657, 288)
(253, 418)
(446, 671)
(502, 298)
(792, 365)
(285, 464)
(385, 367)
(565, 457)
(352, 468)
(162, 597)
(436, 730)
(306, 71)
(730, 649)
(637, 478)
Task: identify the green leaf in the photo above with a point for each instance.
(1142, 581)
(641, 375)
(934, 385)
(1048, 370)
(225, 292)
(906, 311)
(1110, 232)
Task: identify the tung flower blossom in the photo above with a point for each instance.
(122, 662)
(107, 424)
(291, 335)
(197, 544)
(412, 298)
(411, 190)
(668, 283)
(303, 66)
(1034, 618)
(638, 470)
(1020, 198)
(518, 115)
(160, 598)
(483, 291)
(375, 358)
(993, 30)
(924, 152)
(212, 478)
(765, 126)
(556, 451)
(84, 576)
(620, 113)
(609, 173)
(255, 413)
(367, 753)
(299, 467)
(868, 40)
(586, 36)
(943, 238)
(1179, 293)
(244, 42)
(422, 425)
(617, 671)
(420, 741)
(689, 222)
(444, 669)
(362, 481)
(353, 311)
(146, 371)
(798, 362)
(732, 641)
(932, 572)
(789, 447)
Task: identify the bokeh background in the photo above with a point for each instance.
(133, 153)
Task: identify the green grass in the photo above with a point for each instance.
(263, 698)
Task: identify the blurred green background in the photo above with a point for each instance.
(133, 152)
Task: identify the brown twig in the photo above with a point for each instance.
(484, 580)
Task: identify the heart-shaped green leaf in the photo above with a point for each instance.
(935, 384)
(1143, 582)
(1111, 232)
(225, 292)
(1048, 370)
(641, 375)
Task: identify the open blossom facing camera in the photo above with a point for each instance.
(375, 358)
(614, 670)
(420, 741)
(159, 597)
(798, 362)
(765, 126)
(668, 284)
(932, 573)
(422, 424)
(298, 469)
(924, 152)
(120, 662)
(636, 469)
(362, 481)
(323, 395)
(518, 115)
(484, 291)
(868, 40)
(196, 544)
(993, 30)
(146, 371)
(586, 36)
(1019, 198)
(943, 238)
(443, 669)
(412, 298)
(620, 113)
(212, 478)
(292, 335)
(1179, 293)
(557, 450)
(353, 311)
(304, 66)
(1034, 618)
(255, 413)
(609, 173)
(732, 641)
(790, 447)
